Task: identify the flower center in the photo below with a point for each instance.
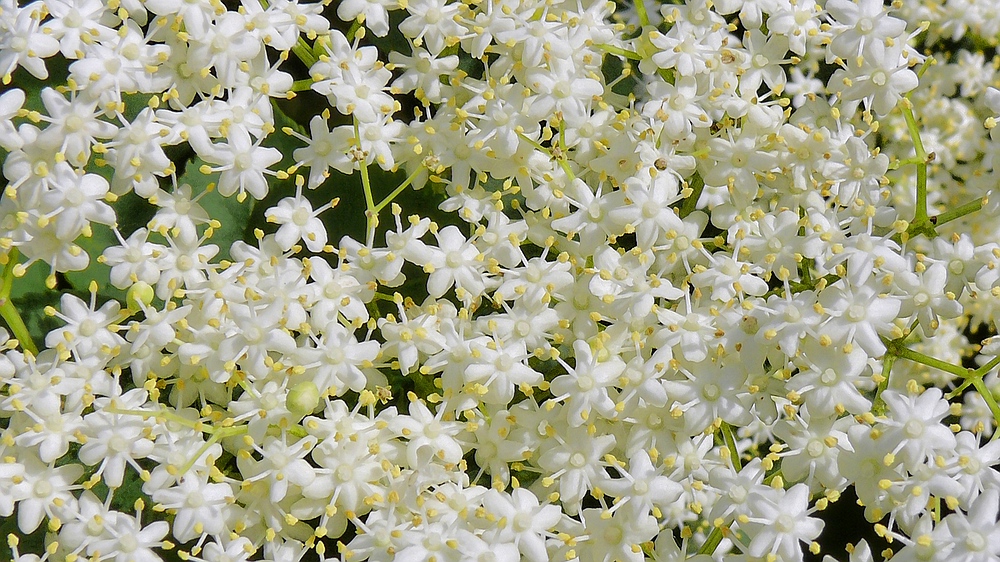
(504, 362)
(332, 290)
(856, 313)
(345, 472)
(117, 444)
(269, 401)
(913, 429)
(301, 216)
(95, 527)
(74, 123)
(815, 448)
(253, 334)
(220, 43)
(453, 259)
(73, 18)
(87, 328)
(42, 489)
(131, 51)
(710, 391)
(650, 209)
(784, 523)
(640, 487)
(594, 210)
(613, 535)
(322, 147)
(335, 355)
(242, 162)
(127, 543)
(975, 541)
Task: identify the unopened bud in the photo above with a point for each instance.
(303, 398)
(140, 292)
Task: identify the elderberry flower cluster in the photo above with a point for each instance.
(498, 280)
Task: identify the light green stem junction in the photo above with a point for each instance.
(920, 217)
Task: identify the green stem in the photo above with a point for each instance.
(959, 390)
(640, 9)
(990, 401)
(165, 414)
(928, 62)
(388, 199)
(302, 85)
(305, 53)
(730, 439)
(958, 212)
(618, 51)
(208, 444)
(985, 369)
(920, 215)
(878, 407)
(532, 142)
(301, 48)
(917, 357)
(355, 26)
(712, 542)
(7, 309)
(371, 214)
(216, 436)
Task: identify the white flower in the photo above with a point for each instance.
(201, 506)
(112, 442)
(23, 43)
(243, 163)
(299, 222)
(779, 521)
(975, 535)
(431, 22)
(130, 541)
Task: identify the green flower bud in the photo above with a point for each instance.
(140, 292)
(303, 398)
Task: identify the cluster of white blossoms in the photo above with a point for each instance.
(708, 266)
